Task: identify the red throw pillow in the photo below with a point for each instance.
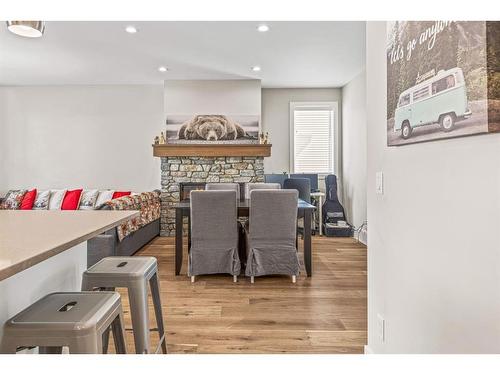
(71, 199)
(28, 200)
(118, 194)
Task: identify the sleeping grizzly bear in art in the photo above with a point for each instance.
(211, 128)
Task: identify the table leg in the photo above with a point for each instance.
(307, 242)
(178, 240)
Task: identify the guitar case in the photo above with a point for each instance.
(333, 211)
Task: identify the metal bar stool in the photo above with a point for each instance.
(132, 273)
(77, 320)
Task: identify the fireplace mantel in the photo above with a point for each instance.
(204, 149)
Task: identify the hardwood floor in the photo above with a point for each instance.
(322, 314)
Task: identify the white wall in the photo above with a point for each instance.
(434, 238)
(276, 120)
(3, 144)
(354, 149)
(236, 97)
(80, 136)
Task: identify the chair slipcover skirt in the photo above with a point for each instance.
(272, 260)
(205, 260)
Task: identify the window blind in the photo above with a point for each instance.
(313, 140)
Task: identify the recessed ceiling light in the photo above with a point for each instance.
(131, 29)
(256, 68)
(162, 69)
(263, 28)
(29, 29)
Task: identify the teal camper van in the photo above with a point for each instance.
(440, 99)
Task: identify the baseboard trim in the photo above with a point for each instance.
(362, 238)
(368, 350)
(363, 241)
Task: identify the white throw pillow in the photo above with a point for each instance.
(42, 200)
(104, 196)
(56, 199)
(88, 199)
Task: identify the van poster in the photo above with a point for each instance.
(443, 80)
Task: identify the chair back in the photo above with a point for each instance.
(302, 185)
(214, 218)
(278, 178)
(260, 185)
(313, 177)
(273, 216)
(224, 186)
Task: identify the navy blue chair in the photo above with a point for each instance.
(302, 185)
(278, 178)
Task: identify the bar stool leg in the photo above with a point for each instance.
(86, 345)
(119, 334)
(155, 292)
(87, 285)
(138, 297)
(105, 341)
(105, 336)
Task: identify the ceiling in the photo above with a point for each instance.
(291, 54)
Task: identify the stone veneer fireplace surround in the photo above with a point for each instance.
(183, 163)
(202, 169)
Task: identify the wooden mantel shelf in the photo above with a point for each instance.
(205, 149)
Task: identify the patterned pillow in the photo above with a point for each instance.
(13, 199)
(42, 200)
(56, 199)
(88, 199)
(103, 197)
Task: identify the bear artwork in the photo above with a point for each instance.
(211, 128)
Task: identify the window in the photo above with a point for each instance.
(404, 100)
(421, 93)
(312, 148)
(443, 84)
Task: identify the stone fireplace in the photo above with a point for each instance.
(176, 170)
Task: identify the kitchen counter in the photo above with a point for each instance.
(30, 237)
(42, 252)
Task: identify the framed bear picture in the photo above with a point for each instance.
(219, 128)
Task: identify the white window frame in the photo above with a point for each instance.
(334, 106)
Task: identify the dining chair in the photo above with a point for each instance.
(214, 234)
(302, 185)
(278, 178)
(224, 186)
(271, 234)
(241, 220)
(260, 185)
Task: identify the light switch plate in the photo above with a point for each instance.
(379, 182)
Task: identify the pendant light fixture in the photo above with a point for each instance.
(28, 29)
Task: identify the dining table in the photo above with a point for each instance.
(305, 210)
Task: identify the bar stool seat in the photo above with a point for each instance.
(76, 320)
(132, 273)
(121, 269)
